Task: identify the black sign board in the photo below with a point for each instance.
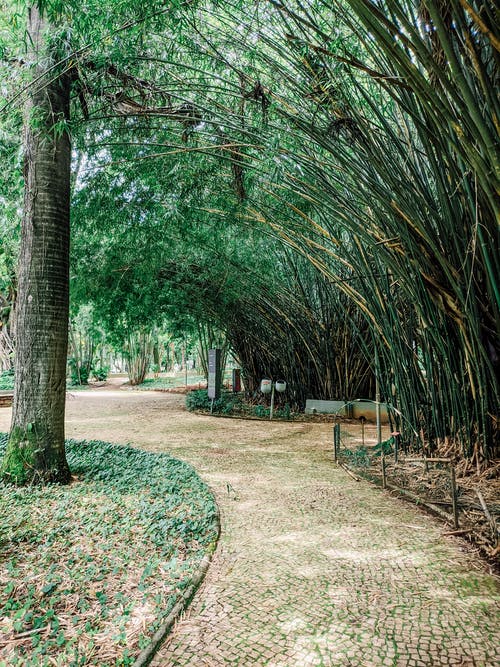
(214, 374)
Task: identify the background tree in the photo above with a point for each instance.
(176, 252)
(35, 449)
(11, 192)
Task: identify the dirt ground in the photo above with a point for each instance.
(101, 408)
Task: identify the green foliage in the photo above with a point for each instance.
(80, 372)
(232, 404)
(261, 411)
(198, 400)
(87, 343)
(225, 405)
(7, 380)
(359, 458)
(100, 373)
(284, 412)
(130, 531)
(157, 383)
(385, 447)
(179, 380)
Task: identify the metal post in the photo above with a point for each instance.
(184, 354)
(384, 478)
(271, 409)
(336, 442)
(395, 437)
(363, 420)
(377, 399)
(454, 495)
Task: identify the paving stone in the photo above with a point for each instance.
(316, 555)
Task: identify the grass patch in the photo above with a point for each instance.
(89, 571)
(157, 383)
(171, 382)
(77, 387)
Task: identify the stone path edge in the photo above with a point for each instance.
(432, 510)
(148, 653)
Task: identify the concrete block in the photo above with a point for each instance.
(325, 407)
(356, 409)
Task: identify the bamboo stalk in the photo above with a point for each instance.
(454, 495)
(349, 472)
(494, 528)
(417, 499)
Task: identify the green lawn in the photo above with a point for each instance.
(89, 571)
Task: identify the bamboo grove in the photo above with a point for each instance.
(364, 137)
(397, 170)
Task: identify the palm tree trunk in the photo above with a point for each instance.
(35, 451)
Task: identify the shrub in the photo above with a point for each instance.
(79, 372)
(358, 458)
(100, 372)
(198, 400)
(284, 413)
(261, 411)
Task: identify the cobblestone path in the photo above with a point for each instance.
(316, 569)
(313, 568)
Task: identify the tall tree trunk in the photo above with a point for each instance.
(35, 451)
(139, 348)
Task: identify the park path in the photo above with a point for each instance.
(312, 568)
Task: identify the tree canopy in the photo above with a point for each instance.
(319, 181)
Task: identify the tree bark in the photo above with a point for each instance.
(35, 451)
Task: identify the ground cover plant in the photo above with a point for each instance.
(89, 571)
(7, 380)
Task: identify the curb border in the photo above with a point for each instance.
(147, 654)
